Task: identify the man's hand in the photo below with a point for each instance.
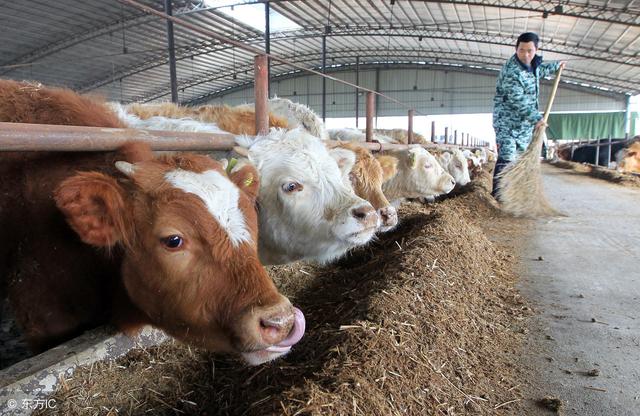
(540, 124)
(563, 64)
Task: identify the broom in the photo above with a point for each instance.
(520, 192)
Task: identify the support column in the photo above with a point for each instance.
(172, 53)
(433, 132)
(324, 80)
(410, 127)
(261, 91)
(627, 118)
(371, 104)
(357, 90)
(267, 44)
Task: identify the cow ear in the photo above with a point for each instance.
(345, 159)
(389, 165)
(95, 206)
(445, 156)
(245, 176)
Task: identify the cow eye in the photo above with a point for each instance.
(291, 187)
(427, 166)
(172, 242)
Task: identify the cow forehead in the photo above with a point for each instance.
(305, 156)
(220, 196)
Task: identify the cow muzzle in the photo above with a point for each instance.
(388, 218)
(277, 330)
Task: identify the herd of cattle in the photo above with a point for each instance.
(179, 240)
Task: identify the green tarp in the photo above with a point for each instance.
(589, 125)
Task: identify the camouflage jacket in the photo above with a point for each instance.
(515, 106)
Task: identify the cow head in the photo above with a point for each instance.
(419, 175)
(631, 159)
(456, 164)
(299, 115)
(306, 209)
(367, 176)
(189, 236)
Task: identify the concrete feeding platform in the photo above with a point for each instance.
(25, 385)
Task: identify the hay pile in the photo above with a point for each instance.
(600, 172)
(424, 321)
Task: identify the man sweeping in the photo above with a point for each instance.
(515, 110)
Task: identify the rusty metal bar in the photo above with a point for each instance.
(433, 132)
(22, 137)
(446, 135)
(16, 137)
(608, 152)
(261, 90)
(455, 137)
(410, 127)
(597, 152)
(371, 105)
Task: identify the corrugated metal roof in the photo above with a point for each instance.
(115, 50)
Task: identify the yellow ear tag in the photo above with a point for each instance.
(249, 180)
(232, 163)
(412, 160)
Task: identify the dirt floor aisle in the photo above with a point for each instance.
(581, 275)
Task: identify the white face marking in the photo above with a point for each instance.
(220, 196)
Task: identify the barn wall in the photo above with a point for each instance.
(431, 91)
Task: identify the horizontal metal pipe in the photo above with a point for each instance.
(43, 137)
(22, 137)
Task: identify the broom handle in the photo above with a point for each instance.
(553, 95)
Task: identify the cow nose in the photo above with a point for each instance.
(366, 215)
(275, 326)
(388, 215)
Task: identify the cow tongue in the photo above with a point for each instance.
(296, 332)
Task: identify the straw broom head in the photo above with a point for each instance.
(521, 193)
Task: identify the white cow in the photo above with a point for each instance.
(163, 123)
(348, 134)
(307, 211)
(454, 161)
(297, 115)
(419, 175)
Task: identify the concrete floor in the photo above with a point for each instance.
(586, 295)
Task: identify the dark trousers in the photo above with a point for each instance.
(500, 165)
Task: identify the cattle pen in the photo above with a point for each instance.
(284, 207)
(35, 378)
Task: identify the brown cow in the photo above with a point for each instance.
(367, 176)
(631, 159)
(231, 119)
(172, 243)
(23, 102)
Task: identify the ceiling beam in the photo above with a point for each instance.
(442, 60)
